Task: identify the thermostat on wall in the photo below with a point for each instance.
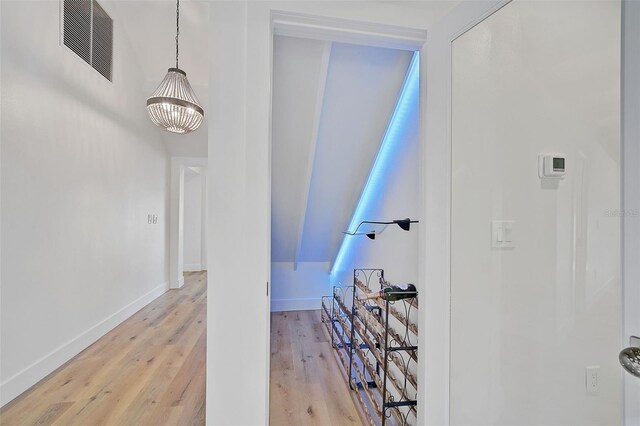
(551, 166)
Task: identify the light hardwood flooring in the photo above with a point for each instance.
(306, 388)
(150, 370)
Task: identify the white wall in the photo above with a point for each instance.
(525, 322)
(193, 225)
(631, 202)
(82, 167)
(299, 289)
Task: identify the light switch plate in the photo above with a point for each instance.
(155, 219)
(502, 234)
(150, 219)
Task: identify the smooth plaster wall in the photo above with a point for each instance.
(193, 237)
(298, 289)
(525, 322)
(82, 167)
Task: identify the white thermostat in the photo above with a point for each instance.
(552, 166)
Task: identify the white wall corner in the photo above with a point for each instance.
(179, 283)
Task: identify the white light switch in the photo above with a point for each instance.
(502, 234)
(155, 219)
(150, 219)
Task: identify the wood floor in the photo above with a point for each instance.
(150, 370)
(307, 387)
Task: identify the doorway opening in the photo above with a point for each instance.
(345, 148)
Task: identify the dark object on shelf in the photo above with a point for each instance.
(375, 341)
(392, 293)
(377, 227)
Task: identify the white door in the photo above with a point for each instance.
(536, 304)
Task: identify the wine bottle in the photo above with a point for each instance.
(392, 292)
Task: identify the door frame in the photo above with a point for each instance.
(367, 34)
(176, 216)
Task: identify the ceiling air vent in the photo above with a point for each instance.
(88, 32)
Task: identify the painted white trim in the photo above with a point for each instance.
(179, 283)
(309, 304)
(176, 209)
(347, 31)
(435, 209)
(192, 267)
(23, 380)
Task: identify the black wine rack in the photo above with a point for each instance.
(376, 344)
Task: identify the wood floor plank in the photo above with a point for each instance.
(52, 413)
(150, 370)
(306, 388)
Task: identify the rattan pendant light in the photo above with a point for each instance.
(174, 106)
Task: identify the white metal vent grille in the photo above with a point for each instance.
(88, 32)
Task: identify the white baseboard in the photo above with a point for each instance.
(279, 305)
(192, 267)
(179, 284)
(23, 380)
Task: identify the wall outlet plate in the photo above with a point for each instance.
(592, 378)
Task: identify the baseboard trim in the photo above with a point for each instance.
(179, 283)
(192, 267)
(279, 305)
(23, 380)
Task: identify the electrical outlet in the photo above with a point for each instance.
(592, 378)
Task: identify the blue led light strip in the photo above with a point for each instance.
(407, 104)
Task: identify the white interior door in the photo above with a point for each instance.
(536, 301)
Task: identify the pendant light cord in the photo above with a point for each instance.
(177, 28)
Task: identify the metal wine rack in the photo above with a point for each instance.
(376, 343)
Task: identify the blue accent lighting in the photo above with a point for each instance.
(406, 108)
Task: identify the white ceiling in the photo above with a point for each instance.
(317, 176)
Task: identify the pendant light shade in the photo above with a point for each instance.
(174, 106)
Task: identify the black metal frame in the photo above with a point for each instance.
(366, 336)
